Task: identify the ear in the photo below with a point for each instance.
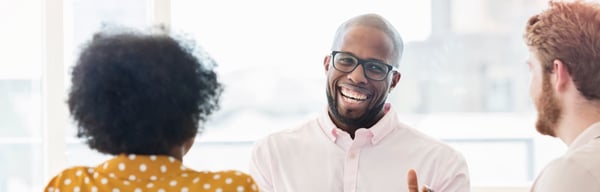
(562, 78)
(395, 79)
(326, 62)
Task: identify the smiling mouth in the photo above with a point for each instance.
(353, 95)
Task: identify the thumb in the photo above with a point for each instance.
(413, 185)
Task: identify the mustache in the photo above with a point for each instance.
(364, 121)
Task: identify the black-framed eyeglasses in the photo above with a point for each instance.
(373, 69)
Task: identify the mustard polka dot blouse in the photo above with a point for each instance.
(152, 173)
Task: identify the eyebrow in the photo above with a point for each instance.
(367, 59)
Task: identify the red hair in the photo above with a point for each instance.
(569, 32)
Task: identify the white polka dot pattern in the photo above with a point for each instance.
(163, 168)
(141, 173)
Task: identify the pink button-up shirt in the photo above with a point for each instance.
(319, 157)
(578, 170)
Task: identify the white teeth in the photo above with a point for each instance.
(349, 100)
(353, 94)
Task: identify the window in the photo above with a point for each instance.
(464, 77)
(20, 95)
(270, 60)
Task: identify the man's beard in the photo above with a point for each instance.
(366, 120)
(549, 111)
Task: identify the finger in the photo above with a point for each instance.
(426, 189)
(413, 185)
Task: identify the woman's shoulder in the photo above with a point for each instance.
(227, 180)
(67, 177)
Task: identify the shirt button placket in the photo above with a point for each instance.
(351, 169)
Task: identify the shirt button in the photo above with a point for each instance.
(352, 155)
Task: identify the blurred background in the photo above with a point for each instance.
(464, 78)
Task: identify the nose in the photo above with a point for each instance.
(358, 75)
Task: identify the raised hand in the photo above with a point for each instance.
(413, 184)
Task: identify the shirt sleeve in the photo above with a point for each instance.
(456, 174)
(237, 181)
(260, 166)
(61, 181)
(566, 175)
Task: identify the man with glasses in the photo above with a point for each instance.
(359, 144)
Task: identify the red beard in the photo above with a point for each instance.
(549, 110)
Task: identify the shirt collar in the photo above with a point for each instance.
(141, 167)
(589, 134)
(384, 126)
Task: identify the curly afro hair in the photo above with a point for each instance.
(140, 93)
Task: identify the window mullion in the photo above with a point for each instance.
(54, 110)
(159, 12)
